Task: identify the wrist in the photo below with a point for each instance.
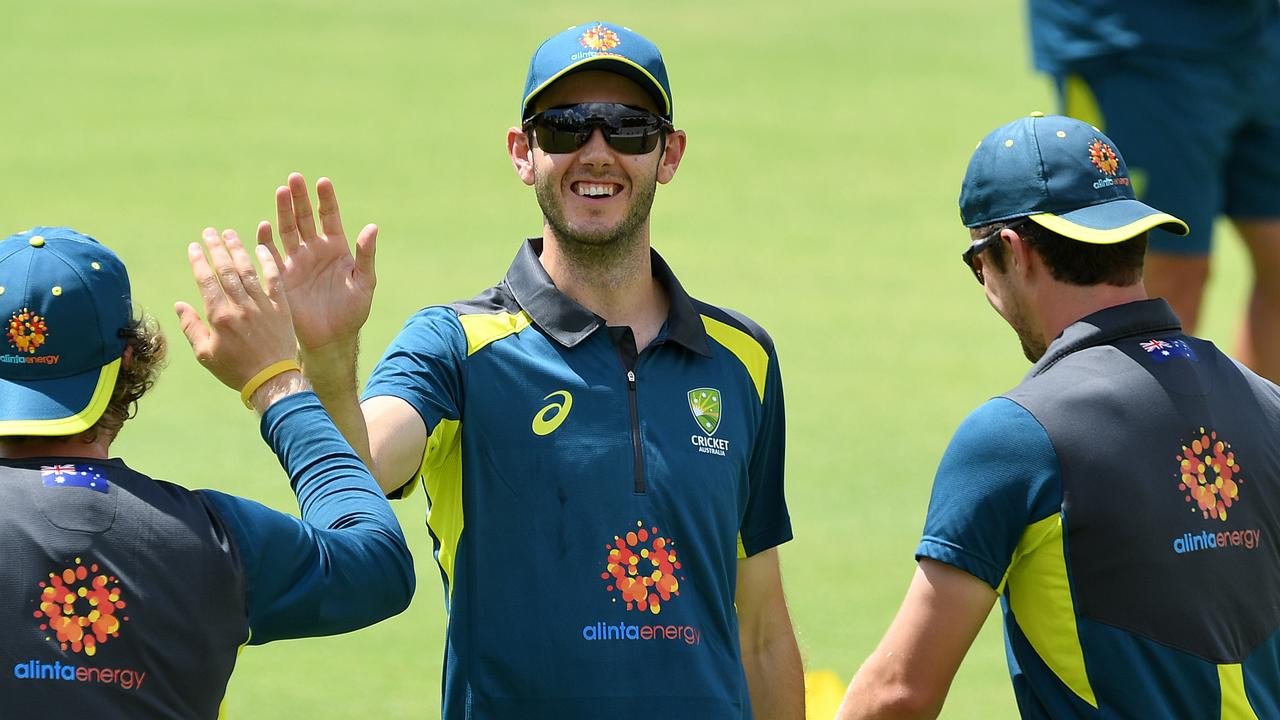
(331, 367)
(276, 388)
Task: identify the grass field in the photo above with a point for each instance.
(827, 140)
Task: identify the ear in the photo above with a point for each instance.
(672, 152)
(126, 358)
(1025, 261)
(521, 154)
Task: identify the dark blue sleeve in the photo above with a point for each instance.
(345, 564)
(999, 475)
(766, 523)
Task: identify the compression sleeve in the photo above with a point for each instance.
(345, 564)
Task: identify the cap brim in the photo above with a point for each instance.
(59, 406)
(1110, 222)
(616, 63)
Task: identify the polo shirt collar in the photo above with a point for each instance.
(1142, 317)
(569, 323)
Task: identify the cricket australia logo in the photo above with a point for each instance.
(704, 403)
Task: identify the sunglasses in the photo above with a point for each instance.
(629, 130)
(977, 247)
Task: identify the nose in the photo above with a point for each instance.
(596, 152)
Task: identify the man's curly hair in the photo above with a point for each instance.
(137, 376)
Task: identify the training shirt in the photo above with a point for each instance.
(1124, 502)
(589, 505)
(1068, 34)
(128, 597)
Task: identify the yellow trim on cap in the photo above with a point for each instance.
(524, 106)
(71, 424)
(1095, 236)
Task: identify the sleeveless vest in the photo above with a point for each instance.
(119, 594)
(1170, 460)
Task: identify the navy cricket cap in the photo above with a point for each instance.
(64, 298)
(1061, 173)
(598, 46)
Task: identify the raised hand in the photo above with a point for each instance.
(248, 324)
(330, 290)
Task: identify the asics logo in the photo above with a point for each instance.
(553, 414)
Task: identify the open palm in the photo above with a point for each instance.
(330, 290)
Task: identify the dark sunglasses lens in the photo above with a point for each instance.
(559, 140)
(628, 130)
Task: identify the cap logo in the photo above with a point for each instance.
(1103, 157)
(27, 331)
(599, 39)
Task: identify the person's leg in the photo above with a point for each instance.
(1253, 204)
(1259, 339)
(1179, 279)
(1164, 116)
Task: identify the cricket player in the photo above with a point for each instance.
(124, 596)
(1120, 501)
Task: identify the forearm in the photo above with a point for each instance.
(331, 371)
(882, 691)
(775, 675)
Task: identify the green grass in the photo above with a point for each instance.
(827, 142)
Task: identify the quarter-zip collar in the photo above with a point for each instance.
(569, 323)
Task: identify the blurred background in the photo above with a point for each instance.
(827, 140)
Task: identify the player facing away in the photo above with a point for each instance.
(1120, 500)
(1191, 90)
(602, 453)
(123, 596)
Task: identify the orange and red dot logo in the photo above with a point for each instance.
(1209, 475)
(27, 331)
(641, 567)
(80, 605)
(600, 39)
(1103, 157)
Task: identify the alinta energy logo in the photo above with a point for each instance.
(641, 568)
(1210, 479)
(600, 39)
(704, 403)
(81, 607)
(27, 331)
(1105, 159)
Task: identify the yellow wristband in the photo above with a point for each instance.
(264, 375)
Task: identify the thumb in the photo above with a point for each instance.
(192, 327)
(366, 247)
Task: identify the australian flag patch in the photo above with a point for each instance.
(1162, 350)
(71, 476)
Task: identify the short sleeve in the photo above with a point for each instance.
(999, 474)
(423, 366)
(766, 523)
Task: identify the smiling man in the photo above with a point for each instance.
(602, 454)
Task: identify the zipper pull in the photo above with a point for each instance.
(631, 378)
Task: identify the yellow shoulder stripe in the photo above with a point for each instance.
(744, 347)
(482, 329)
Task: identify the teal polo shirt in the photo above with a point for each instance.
(589, 504)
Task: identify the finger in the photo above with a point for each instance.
(243, 265)
(302, 214)
(330, 218)
(366, 246)
(206, 281)
(195, 331)
(223, 268)
(272, 280)
(289, 237)
(265, 240)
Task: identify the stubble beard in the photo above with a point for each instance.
(605, 252)
(1033, 347)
